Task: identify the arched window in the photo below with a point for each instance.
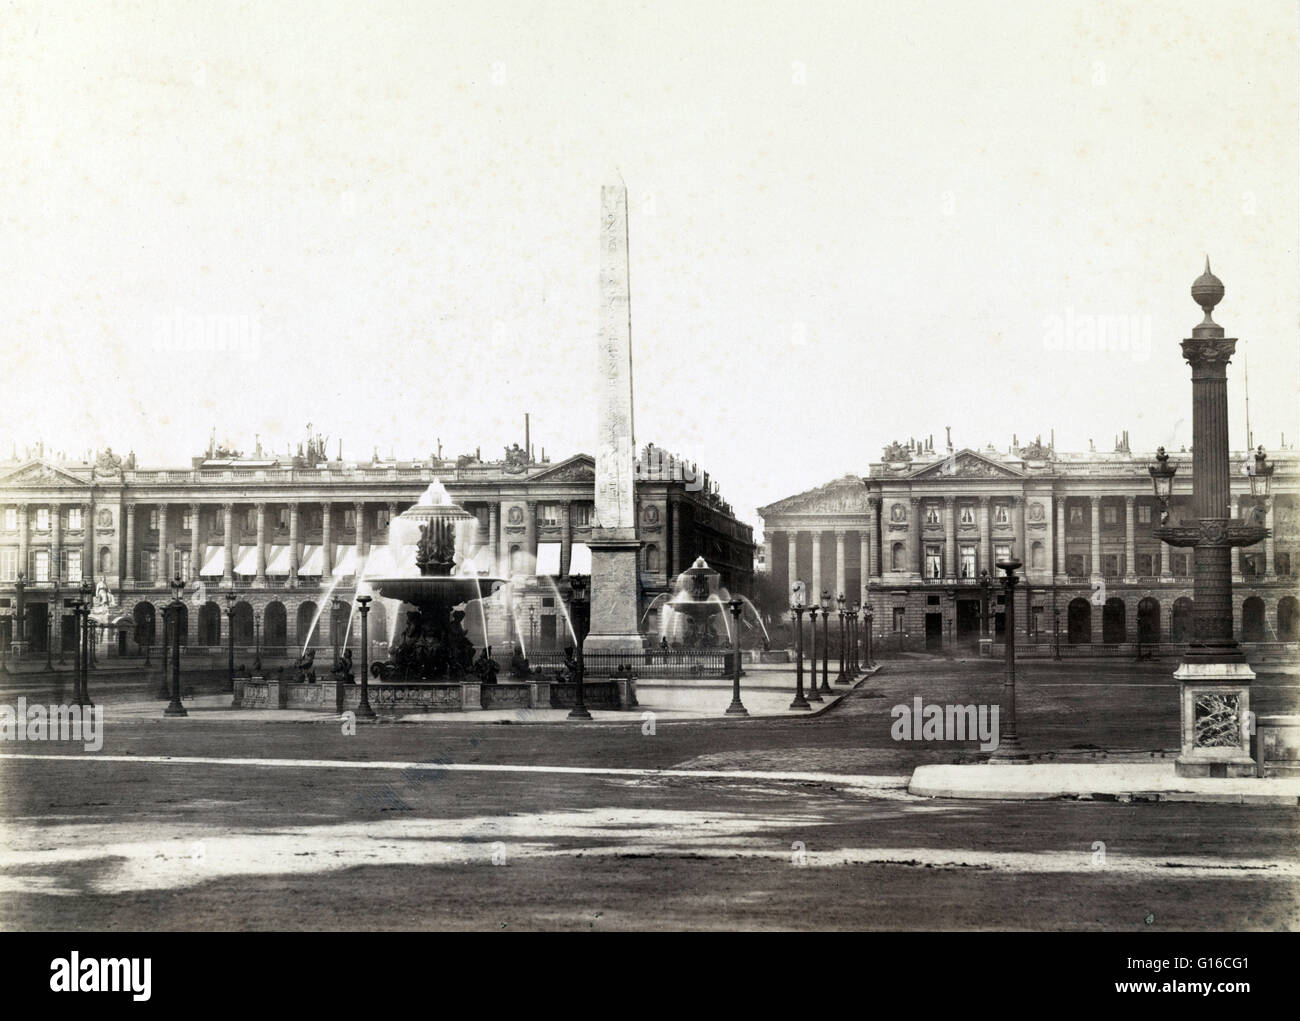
(1037, 556)
(652, 557)
(898, 557)
(105, 560)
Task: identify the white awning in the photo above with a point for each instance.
(246, 560)
(548, 559)
(345, 560)
(580, 559)
(277, 561)
(214, 562)
(312, 563)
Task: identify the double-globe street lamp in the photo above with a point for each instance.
(579, 612)
(49, 627)
(84, 640)
(737, 708)
(364, 711)
(811, 692)
(1008, 750)
(826, 643)
(174, 610)
(230, 641)
(796, 611)
(841, 677)
(867, 615)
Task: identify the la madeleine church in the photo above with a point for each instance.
(913, 538)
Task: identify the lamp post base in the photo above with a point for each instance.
(1008, 752)
(175, 709)
(579, 712)
(365, 712)
(736, 708)
(800, 703)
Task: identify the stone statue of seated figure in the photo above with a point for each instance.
(343, 668)
(519, 665)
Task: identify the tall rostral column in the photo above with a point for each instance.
(1214, 679)
(614, 544)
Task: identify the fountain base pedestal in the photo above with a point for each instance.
(1214, 700)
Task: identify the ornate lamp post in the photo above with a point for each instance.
(1008, 749)
(579, 610)
(1056, 632)
(868, 614)
(851, 615)
(799, 701)
(737, 708)
(826, 644)
(532, 627)
(336, 610)
(20, 616)
(174, 608)
(84, 641)
(230, 641)
(364, 712)
(987, 583)
(811, 692)
(841, 677)
(76, 650)
(49, 628)
(1214, 677)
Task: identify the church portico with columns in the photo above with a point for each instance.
(286, 535)
(913, 537)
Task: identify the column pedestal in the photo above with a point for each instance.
(614, 587)
(1215, 707)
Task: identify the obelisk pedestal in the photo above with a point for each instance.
(614, 544)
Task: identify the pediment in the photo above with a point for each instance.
(44, 475)
(579, 468)
(843, 496)
(967, 464)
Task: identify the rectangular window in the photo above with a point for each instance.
(1110, 514)
(42, 565)
(74, 517)
(1252, 565)
(187, 520)
(1110, 565)
(1144, 514)
(149, 565)
(1074, 565)
(1282, 563)
(548, 514)
(968, 561)
(967, 514)
(181, 563)
(1076, 515)
(250, 519)
(42, 519)
(931, 514)
(282, 518)
(933, 562)
(349, 519)
(11, 519)
(1001, 553)
(381, 519)
(1000, 514)
(153, 520)
(9, 565)
(1144, 564)
(582, 515)
(73, 562)
(899, 614)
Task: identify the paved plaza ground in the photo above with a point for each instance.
(786, 821)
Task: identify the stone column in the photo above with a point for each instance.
(326, 545)
(1095, 551)
(1020, 547)
(87, 542)
(792, 570)
(1060, 539)
(871, 559)
(259, 577)
(914, 537)
(494, 537)
(840, 581)
(986, 538)
(128, 575)
(164, 552)
(196, 550)
(566, 540)
(1130, 542)
(865, 560)
(295, 554)
(1234, 511)
(675, 540)
(530, 538)
(1165, 572)
(1270, 572)
(949, 537)
(228, 569)
(815, 586)
(359, 517)
(56, 542)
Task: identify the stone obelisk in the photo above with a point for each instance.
(614, 544)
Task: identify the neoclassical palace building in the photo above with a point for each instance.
(286, 534)
(915, 535)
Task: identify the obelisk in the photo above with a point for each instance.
(614, 544)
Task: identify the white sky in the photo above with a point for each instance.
(850, 223)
